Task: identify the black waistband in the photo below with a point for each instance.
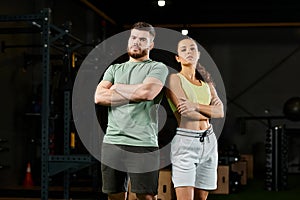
(195, 134)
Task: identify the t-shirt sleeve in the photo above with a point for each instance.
(108, 74)
(159, 71)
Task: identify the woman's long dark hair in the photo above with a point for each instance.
(202, 74)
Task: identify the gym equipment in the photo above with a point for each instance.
(229, 156)
(276, 167)
(51, 37)
(291, 109)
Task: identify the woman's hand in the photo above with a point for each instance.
(186, 106)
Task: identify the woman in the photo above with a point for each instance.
(194, 101)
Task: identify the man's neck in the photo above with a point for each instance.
(141, 59)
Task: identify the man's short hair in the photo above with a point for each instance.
(145, 27)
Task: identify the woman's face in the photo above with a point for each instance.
(188, 53)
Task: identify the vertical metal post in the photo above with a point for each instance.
(67, 141)
(276, 158)
(45, 103)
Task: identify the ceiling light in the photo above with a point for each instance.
(161, 3)
(184, 31)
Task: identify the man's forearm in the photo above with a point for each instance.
(135, 92)
(110, 98)
(145, 91)
(125, 90)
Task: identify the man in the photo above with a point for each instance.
(131, 91)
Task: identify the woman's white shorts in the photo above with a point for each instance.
(194, 157)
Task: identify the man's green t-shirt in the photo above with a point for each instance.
(135, 123)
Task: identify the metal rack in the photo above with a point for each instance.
(276, 159)
(52, 164)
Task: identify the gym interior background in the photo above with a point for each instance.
(255, 46)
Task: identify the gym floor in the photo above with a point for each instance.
(253, 190)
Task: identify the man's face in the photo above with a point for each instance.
(139, 43)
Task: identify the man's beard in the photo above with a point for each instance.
(138, 55)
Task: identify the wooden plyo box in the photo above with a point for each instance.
(165, 187)
(249, 159)
(241, 168)
(223, 180)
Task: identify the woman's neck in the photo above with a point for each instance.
(188, 73)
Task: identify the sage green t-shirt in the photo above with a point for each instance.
(135, 123)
